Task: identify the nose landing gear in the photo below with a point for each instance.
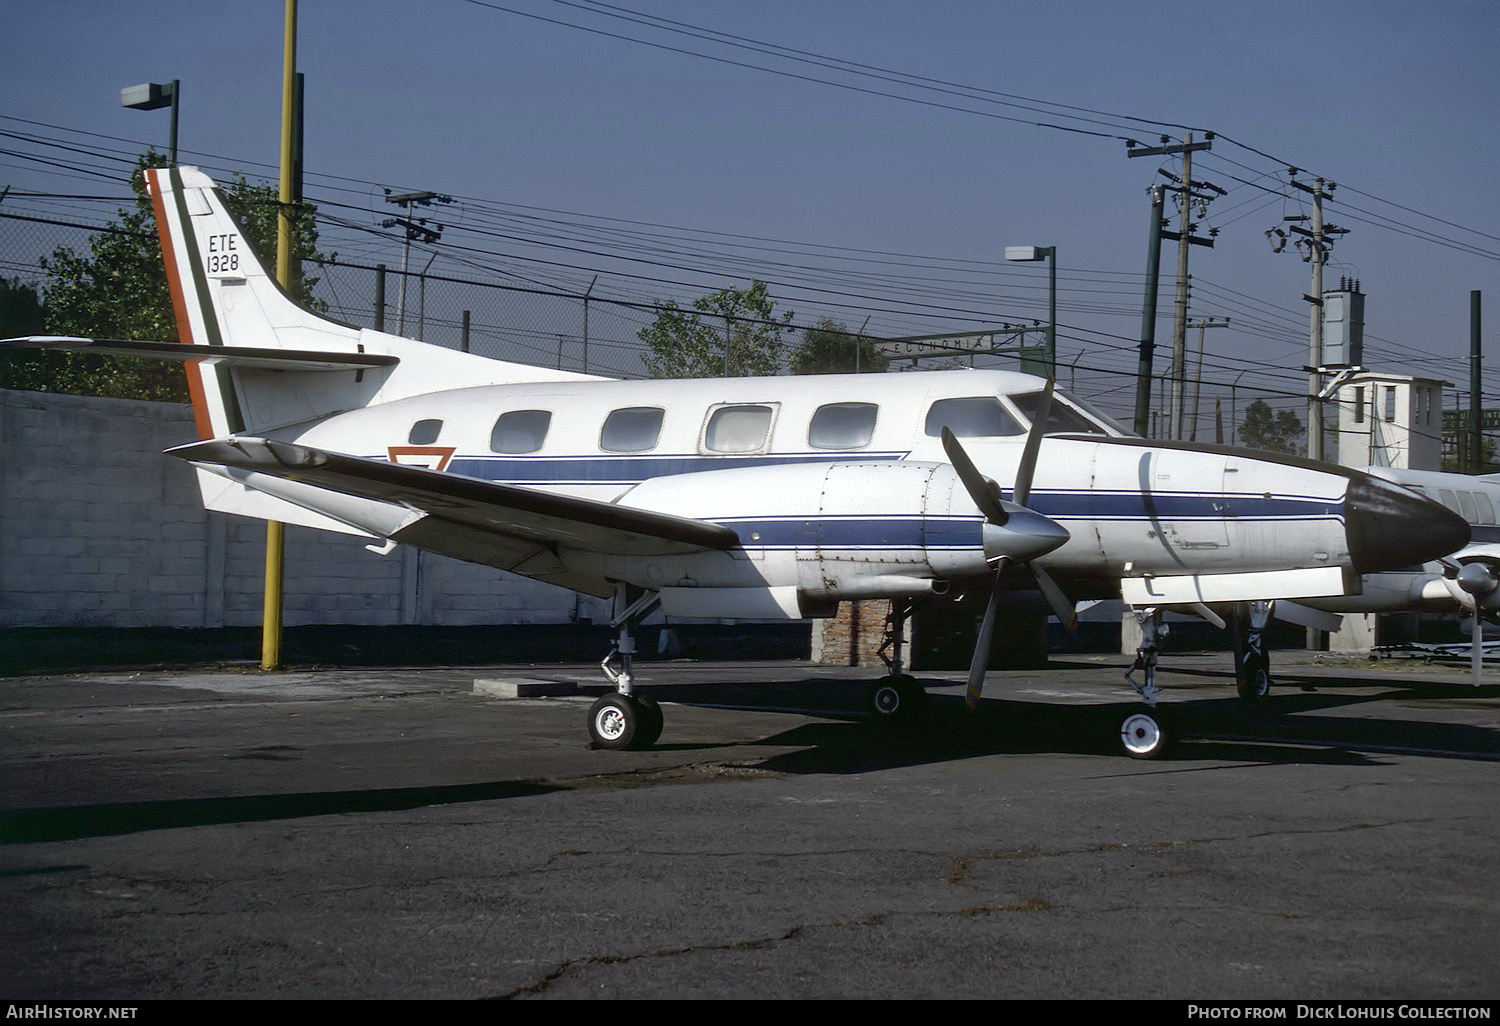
(1145, 733)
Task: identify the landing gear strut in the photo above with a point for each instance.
(1252, 660)
(626, 719)
(1145, 734)
(897, 695)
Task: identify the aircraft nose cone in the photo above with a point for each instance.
(1026, 535)
(1392, 528)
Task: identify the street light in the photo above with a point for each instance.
(1049, 254)
(155, 96)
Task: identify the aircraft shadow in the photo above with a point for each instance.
(66, 823)
(1282, 728)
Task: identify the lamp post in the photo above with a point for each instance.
(1049, 254)
(155, 96)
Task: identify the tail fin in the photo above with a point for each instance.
(224, 301)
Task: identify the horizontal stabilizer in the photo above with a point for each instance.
(241, 356)
(470, 503)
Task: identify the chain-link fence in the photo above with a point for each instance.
(514, 316)
(504, 322)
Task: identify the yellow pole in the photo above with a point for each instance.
(270, 644)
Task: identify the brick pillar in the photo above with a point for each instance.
(853, 635)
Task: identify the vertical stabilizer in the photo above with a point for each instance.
(224, 298)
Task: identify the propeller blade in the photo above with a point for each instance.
(984, 492)
(981, 659)
(1033, 534)
(1477, 656)
(1024, 473)
(1062, 606)
(1479, 580)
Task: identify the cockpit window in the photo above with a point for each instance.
(842, 426)
(1486, 508)
(1467, 508)
(520, 431)
(631, 429)
(1060, 416)
(979, 417)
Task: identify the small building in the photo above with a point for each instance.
(1390, 420)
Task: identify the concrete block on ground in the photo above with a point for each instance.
(525, 687)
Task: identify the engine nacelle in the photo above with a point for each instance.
(829, 531)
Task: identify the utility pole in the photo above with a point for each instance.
(273, 602)
(1202, 327)
(1314, 245)
(1477, 462)
(586, 297)
(1187, 191)
(1148, 314)
(1319, 256)
(415, 229)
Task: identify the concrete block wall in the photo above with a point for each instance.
(99, 529)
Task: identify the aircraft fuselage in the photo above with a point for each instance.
(837, 486)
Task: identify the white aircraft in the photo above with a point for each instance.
(741, 497)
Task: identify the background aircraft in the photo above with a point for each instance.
(1465, 580)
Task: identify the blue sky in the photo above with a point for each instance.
(1394, 101)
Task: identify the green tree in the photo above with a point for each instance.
(829, 347)
(1271, 431)
(691, 343)
(21, 312)
(118, 289)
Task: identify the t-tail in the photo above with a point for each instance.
(262, 364)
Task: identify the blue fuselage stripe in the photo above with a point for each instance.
(625, 470)
(1062, 505)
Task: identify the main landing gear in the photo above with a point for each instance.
(1252, 659)
(897, 696)
(1145, 734)
(626, 719)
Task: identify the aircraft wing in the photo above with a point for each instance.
(465, 516)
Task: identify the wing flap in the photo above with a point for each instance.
(521, 513)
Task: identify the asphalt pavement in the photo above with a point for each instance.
(223, 833)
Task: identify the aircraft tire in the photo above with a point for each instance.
(614, 722)
(1254, 679)
(892, 699)
(1145, 735)
(652, 721)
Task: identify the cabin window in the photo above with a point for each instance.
(1467, 508)
(737, 429)
(631, 429)
(979, 417)
(1486, 509)
(520, 431)
(1060, 416)
(842, 426)
(1447, 498)
(1359, 405)
(424, 432)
